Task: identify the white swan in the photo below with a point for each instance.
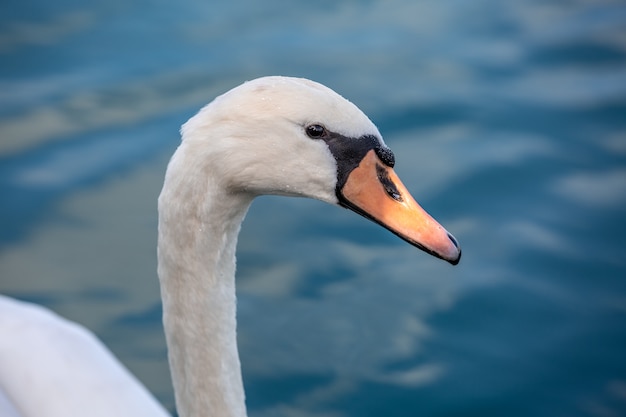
(273, 135)
(51, 367)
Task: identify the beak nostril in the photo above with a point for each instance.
(390, 188)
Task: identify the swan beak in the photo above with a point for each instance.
(374, 190)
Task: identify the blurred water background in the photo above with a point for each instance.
(508, 120)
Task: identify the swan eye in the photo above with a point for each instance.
(315, 131)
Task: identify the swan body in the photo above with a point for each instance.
(272, 135)
(52, 367)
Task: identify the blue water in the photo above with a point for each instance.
(508, 120)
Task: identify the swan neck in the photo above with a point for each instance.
(196, 248)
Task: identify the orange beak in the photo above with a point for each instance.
(374, 190)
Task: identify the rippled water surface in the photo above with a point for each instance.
(508, 120)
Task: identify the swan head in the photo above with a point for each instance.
(292, 136)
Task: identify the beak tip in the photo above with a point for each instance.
(454, 241)
(454, 260)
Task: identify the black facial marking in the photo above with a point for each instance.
(349, 152)
(385, 155)
(388, 184)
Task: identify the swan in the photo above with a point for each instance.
(273, 135)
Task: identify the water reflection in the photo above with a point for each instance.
(507, 123)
